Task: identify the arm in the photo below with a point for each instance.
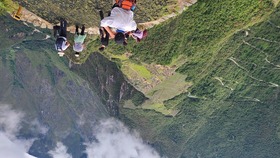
(84, 46)
(67, 44)
(111, 33)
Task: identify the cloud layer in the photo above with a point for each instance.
(10, 124)
(114, 140)
(60, 151)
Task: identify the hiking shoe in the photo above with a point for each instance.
(77, 54)
(61, 54)
(101, 49)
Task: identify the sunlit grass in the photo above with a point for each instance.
(7, 6)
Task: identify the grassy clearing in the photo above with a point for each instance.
(275, 2)
(7, 6)
(122, 57)
(159, 107)
(168, 89)
(149, 105)
(132, 70)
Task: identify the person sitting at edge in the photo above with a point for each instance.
(118, 24)
(138, 35)
(61, 43)
(79, 39)
(104, 35)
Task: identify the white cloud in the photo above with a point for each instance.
(11, 149)
(10, 120)
(10, 146)
(60, 151)
(116, 141)
(36, 126)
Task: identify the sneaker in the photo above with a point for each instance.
(101, 49)
(61, 54)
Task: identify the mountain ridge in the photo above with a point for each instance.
(32, 18)
(232, 62)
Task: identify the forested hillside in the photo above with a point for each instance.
(231, 110)
(216, 94)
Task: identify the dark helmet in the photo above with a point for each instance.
(119, 38)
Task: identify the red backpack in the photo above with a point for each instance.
(126, 4)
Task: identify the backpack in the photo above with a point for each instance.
(126, 4)
(59, 43)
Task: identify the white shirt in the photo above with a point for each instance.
(120, 19)
(78, 47)
(64, 45)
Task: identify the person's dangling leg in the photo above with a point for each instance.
(77, 30)
(103, 34)
(83, 30)
(104, 38)
(56, 30)
(63, 28)
(101, 14)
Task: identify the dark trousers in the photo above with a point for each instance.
(63, 28)
(82, 32)
(103, 33)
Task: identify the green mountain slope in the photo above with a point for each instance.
(69, 100)
(198, 29)
(232, 108)
(230, 50)
(36, 81)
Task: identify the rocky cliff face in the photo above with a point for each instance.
(105, 78)
(69, 102)
(231, 110)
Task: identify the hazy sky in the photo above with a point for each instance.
(10, 124)
(114, 139)
(60, 151)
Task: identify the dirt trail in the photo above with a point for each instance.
(30, 17)
(39, 22)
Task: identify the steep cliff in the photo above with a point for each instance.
(225, 102)
(35, 80)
